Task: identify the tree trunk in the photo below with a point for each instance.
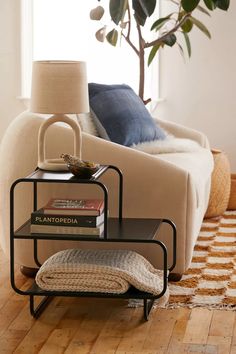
(141, 73)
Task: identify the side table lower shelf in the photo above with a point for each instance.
(129, 230)
(132, 293)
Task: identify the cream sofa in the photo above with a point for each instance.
(173, 185)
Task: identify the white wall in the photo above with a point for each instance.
(10, 106)
(201, 93)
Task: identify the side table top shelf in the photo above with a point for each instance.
(41, 175)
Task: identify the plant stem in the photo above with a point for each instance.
(164, 36)
(127, 36)
(141, 63)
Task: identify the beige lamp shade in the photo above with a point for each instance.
(59, 87)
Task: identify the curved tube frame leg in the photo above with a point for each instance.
(147, 306)
(36, 312)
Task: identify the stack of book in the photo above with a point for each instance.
(69, 216)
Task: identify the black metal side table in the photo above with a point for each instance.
(123, 230)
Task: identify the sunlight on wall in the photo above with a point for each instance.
(62, 30)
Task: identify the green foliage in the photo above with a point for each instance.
(143, 9)
(210, 4)
(201, 26)
(117, 10)
(188, 44)
(127, 14)
(187, 24)
(112, 37)
(189, 5)
(153, 53)
(213, 4)
(160, 22)
(170, 40)
(222, 4)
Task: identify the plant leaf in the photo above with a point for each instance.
(187, 25)
(97, 13)
(210, 4)
(222, 4)
(160, 22)
(139, 14)
(148, 6)
(201, 26)
(153, 53)
(189, 5)
(200, 8)
(101, 34)
(112, 37)
(188, 44)
(181, 50)
(117, 10)
(170, 40)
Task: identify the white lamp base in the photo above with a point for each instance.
(53, 165)
(57, 164)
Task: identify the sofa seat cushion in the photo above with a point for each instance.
(194, 164)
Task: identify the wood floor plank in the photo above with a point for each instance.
(90, 328)
(9, 312)
(198, 326)
(57, 341)
(135, 332)
(222, 343)
(234, 334)
(202, 349)
(140, 352)
(118, 323)
(23, 321)
(41, 329)
(219, 327)
(160, 330)
(105, 344)
(233, 349)
(66, 328)
(176, 345)
(10, 340)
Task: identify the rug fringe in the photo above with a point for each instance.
(227, 307)
(133, 303)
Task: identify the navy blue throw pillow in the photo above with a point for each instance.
(123, 114)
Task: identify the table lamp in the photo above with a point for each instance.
(59, 88)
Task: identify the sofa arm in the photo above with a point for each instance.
(147, 179)
(181, 131)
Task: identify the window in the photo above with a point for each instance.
(62, 30)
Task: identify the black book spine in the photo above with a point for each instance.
(39, 218)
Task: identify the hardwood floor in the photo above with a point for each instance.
(107, 326)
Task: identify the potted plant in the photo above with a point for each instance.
(127, 15)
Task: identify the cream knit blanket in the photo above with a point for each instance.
(106, 271)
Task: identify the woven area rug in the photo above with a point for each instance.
(211, 279)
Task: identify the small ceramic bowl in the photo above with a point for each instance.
(82, 171)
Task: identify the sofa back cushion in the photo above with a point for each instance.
(123, 115)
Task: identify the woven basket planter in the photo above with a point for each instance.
(220, 185)
(232, 197)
